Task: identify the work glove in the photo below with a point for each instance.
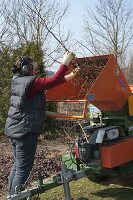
(67, 58)
(73, 74)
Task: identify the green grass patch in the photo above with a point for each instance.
(85, 189)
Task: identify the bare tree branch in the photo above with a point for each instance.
(36, 20)
(109, 28)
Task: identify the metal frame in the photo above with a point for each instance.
(67, 175)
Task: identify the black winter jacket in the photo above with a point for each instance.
(24, 115)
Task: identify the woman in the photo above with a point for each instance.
(27, 113)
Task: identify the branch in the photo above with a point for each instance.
(46, 26)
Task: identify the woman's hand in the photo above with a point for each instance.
(73, 74)
(68, 57)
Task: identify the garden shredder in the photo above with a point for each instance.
(105, 148)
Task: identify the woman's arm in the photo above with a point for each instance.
(41, 84)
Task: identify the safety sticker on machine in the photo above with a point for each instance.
(91, 97)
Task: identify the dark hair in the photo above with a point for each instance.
(15, 69)
(20, 62)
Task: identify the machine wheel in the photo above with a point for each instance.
(98, 178)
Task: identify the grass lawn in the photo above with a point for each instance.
(85, 189)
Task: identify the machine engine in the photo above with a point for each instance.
(87, 147)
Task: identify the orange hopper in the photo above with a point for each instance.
(101, 82)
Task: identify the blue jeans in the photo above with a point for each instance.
(24, 150)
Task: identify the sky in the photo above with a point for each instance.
(74, 20)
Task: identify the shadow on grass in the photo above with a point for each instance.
(123, 180)
(117, 193)
(82, 198)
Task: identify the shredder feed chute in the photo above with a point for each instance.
(100, 82)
